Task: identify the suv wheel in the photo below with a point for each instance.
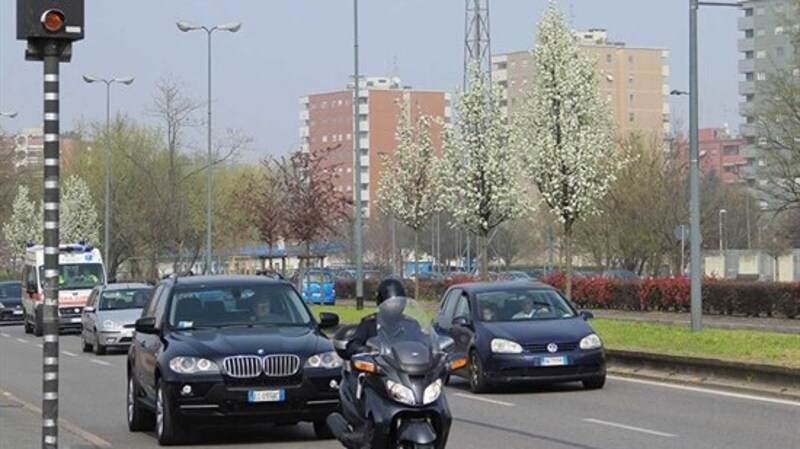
(139, 419)
(594, 383)
(168, 429)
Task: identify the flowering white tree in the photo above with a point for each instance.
(565, 131)
(483, 171)
(410, 189)
(25, 224)
(78, 220)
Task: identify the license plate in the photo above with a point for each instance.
(17, 312)
(266, 396)
(553, 361)
(75, 320)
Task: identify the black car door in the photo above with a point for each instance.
(444, 316)
(462, 333)
(145, 347)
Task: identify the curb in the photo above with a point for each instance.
(757, 378)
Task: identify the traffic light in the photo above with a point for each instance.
(50, 19)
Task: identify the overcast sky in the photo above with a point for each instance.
(287, 49)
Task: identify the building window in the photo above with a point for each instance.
(749, 97)
(324, 139)
(748, 12)
(630, 98)
(349, 170)
(349, 136)
(324, 105)
(608, 58)
(748, 33)
(630, 59)
(761, 54)
(762, 141)
(778, 31)
(730, 150)
(748, 54)
(630, 117)
(630, 79)
(729, 169)
(761, 76)
(762, 163)
(760, 32)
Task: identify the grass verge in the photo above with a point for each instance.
(770, 348)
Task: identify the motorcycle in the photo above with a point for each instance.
(393, 396)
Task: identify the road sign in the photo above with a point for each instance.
(682, 232)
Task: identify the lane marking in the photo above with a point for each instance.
(729, 394)
(21, 340)
(71, 354)
(40, 345)
(623, 426)
(4, 334)
(478, 398)
(62, 423)
(100, 362)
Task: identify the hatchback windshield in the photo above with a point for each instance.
(527, 304)
(10, 290)
(220, 306)
(133, 298)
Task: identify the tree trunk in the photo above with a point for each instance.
(416, 263)
(568, 244)
(483, 257)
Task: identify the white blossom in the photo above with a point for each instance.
(78, 220)
(25, 224)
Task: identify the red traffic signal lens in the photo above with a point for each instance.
(53, 20)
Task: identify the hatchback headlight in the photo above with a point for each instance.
(432, 393)
(192, 365)
(111, 324)
(503, 346)
(400, 392)
(324, 360)
(591, 341)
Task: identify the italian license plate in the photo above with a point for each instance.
(553, 361)
(17, 312)
(266, 396)
(75, 320)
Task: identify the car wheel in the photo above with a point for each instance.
(98, 348)
(38, 326)
(594, 383)
(477, 378)
(322, 431)
(168, 429)
(87, 347)
(139, 419)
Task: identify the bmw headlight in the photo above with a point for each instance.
(324, 360)
(2, 306)
(400, 393)
(503, 346)
(591, 341)
(111, 324)
(192, 365)
(432, 392)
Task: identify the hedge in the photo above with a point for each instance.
(729, 297)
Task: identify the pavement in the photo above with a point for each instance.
(21, 425)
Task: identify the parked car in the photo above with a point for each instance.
(620, 274)
(515, 276)
(221, 349)
(270, 273)
(318, 286)
(11, 301)
(110, 314)
(520, 332)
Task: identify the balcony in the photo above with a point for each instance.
(747, 65)
(363, 109)
(364, 125)
(365, 179)
(365, 161)
(746, 23)
(304, 114)
(747, 87)
(746, 44)
(363, 142)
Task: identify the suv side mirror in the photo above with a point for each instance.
(586, 315)
(146, 325)
(328, 320)
(88, 309)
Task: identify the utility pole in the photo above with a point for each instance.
(359, 252)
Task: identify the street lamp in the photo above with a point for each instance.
(186, 27)
(107, 225)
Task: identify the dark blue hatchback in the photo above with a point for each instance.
(520, 332)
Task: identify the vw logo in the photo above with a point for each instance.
(552, 347)
(260, 352)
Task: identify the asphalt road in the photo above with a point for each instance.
(626, 414)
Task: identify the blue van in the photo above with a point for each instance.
(318, 287)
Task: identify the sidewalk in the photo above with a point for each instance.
(783, 325)
(21, 427)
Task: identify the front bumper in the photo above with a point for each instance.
(311, 396)
(70, 317)
(527, 367)
(15, 313)
(116, 337)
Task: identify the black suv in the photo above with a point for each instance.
(241, 348)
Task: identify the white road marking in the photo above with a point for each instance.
(729, 394)
(4, 334)
(71, 354)
(100, 362)
(478, 398)
(40, 345)
(22, 340)
(623, 426)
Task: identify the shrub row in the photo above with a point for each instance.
(658, 294)
(672, 294)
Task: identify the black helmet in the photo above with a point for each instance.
(389, 288)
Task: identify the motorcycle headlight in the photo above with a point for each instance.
(432, 392)
(591, 341)
(324, 360)
(111, 324)
(192, 365)
(400, 393)
(503, 346)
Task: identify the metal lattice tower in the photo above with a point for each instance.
(476, 37)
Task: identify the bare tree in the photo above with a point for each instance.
(264, 200)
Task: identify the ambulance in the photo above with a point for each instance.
(80, 270)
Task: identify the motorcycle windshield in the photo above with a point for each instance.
(405, 334)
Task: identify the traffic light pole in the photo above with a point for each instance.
(52, 54)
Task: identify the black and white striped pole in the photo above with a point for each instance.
(50, 27)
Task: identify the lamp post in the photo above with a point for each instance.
(359, 251)
(107, 219)
(186, 27)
